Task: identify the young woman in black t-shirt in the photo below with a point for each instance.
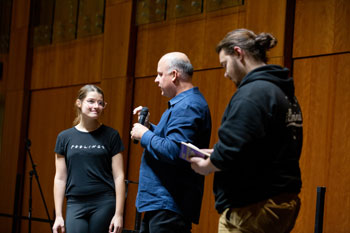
(89, 171)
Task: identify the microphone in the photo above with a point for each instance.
(142, 119)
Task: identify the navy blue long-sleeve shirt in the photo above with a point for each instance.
(166, 181)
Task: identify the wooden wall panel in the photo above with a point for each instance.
(17, 59)
(70, 63)
(115, 90)
(116, 40)
(4, 59)
(117, 113)
(217, 25)
(276, 60)
(268, 16)
(197, 37)
(20, 14)
(10, 151)
(322, 88)
(218, 91)
(6, 224)
(321, 27)
(51, 111)
(15, 92)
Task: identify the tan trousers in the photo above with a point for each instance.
(274, 215)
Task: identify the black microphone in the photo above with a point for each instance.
(142, 119)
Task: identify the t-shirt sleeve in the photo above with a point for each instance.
(116, 144)
(60, 148)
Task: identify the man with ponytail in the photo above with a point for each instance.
(256, 159)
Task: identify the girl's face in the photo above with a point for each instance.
(92, 106)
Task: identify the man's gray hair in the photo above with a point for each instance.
(184, 67)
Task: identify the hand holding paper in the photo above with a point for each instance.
(189, 150)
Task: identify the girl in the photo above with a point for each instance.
(89, 171)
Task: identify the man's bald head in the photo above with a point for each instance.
(180, 62)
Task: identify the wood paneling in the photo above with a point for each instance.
(197, 37)
(15, 92)
(321, 27)
(71, 63)
(11, 148)
(4, 58)
(217, 25)
(117, 114)
(113, 2)
(17, 59)
(218, 91)
(51, 111)
(116, 40)
(322, 86)
(276, 60)
(20, 14)
(115, 91)
(6, 224)
(268, 16)
(202, 33)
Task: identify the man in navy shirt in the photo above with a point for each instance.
(170, 192)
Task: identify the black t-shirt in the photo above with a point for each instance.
(88, 158)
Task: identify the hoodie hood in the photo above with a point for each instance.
(274, 74)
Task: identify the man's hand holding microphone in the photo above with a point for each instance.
(142, 126)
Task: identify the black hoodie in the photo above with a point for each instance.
(260, 140)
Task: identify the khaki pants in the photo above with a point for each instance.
(274, 215)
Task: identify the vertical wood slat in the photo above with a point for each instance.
(117, 80)
(268, 16)
(71, 63)
(205, 31)
(321, 27)
(15, 116)
(322, 87)
(117, 40)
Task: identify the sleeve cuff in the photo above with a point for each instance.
(146, 138)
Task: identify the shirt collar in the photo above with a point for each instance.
(182, 95)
